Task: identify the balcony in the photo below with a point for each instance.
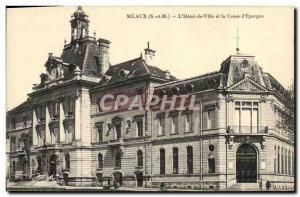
(247, 129)
(115, 142)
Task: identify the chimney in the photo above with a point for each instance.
(104, 55)
(167, 74)
(50, 55)
(149, 55)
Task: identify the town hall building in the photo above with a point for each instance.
(232, 138)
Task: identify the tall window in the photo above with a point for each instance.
(140, 127)
(278, 160)
(210, 118)
(13, 144)
(100, 161)
(162, 161)
(118, 130)
(174, 124)
(69, 133)
(139, 158)
(118, 160)
(54, 135)
(211, 165)
(275, 167)
(13, 123)
(282, 162)
(25, 121)
(246, 117)
(67, 160)
(175, 160)
(39, 162)
(53, 108)
(292, 163)
(100, 131)
(161, 125)
(289, 162)
(285, 162)
(41, 112)
(189, 151)
(188, 122)
(69, 106)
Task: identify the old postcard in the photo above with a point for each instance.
(150, 99)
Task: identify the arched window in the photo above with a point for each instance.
(278, 160)
(189, 151)
(162, 161)
(100, 161)
(67, 160)
(175, 160)
(118, 160)
(139, 158)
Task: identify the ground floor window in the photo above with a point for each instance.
(162, 161)
(189, 160)
(211, 165)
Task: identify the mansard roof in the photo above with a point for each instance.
(83, 53)
(208, 81)
(134, 68)
(236, 70)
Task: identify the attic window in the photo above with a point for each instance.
(244, 63)
(123, 73)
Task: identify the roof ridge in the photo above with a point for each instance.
(191, 78)
(127, 61)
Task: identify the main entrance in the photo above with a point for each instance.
(139, 179)
(246, 164)
(52, 167)
(118, 177)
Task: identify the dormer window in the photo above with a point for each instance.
(123, 73)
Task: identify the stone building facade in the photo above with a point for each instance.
(231, 138)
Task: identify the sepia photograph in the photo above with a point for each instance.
(150, 99)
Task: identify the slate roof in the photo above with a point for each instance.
(84, 54)
(23, 106)
(134, 68)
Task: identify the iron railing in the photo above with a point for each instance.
(247, 129)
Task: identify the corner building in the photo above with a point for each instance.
(231, 139)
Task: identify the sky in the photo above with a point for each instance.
(184, 46)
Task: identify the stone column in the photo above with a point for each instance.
(47, 120)
(62, 135)
(34, 123)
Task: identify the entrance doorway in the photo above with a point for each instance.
(118, 177)
(139, 179)
(246, 164)
(52, 166)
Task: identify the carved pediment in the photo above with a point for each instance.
(247, 84)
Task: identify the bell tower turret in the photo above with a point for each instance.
(79, 24)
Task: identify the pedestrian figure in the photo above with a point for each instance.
(268, 185)
(260, 185)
